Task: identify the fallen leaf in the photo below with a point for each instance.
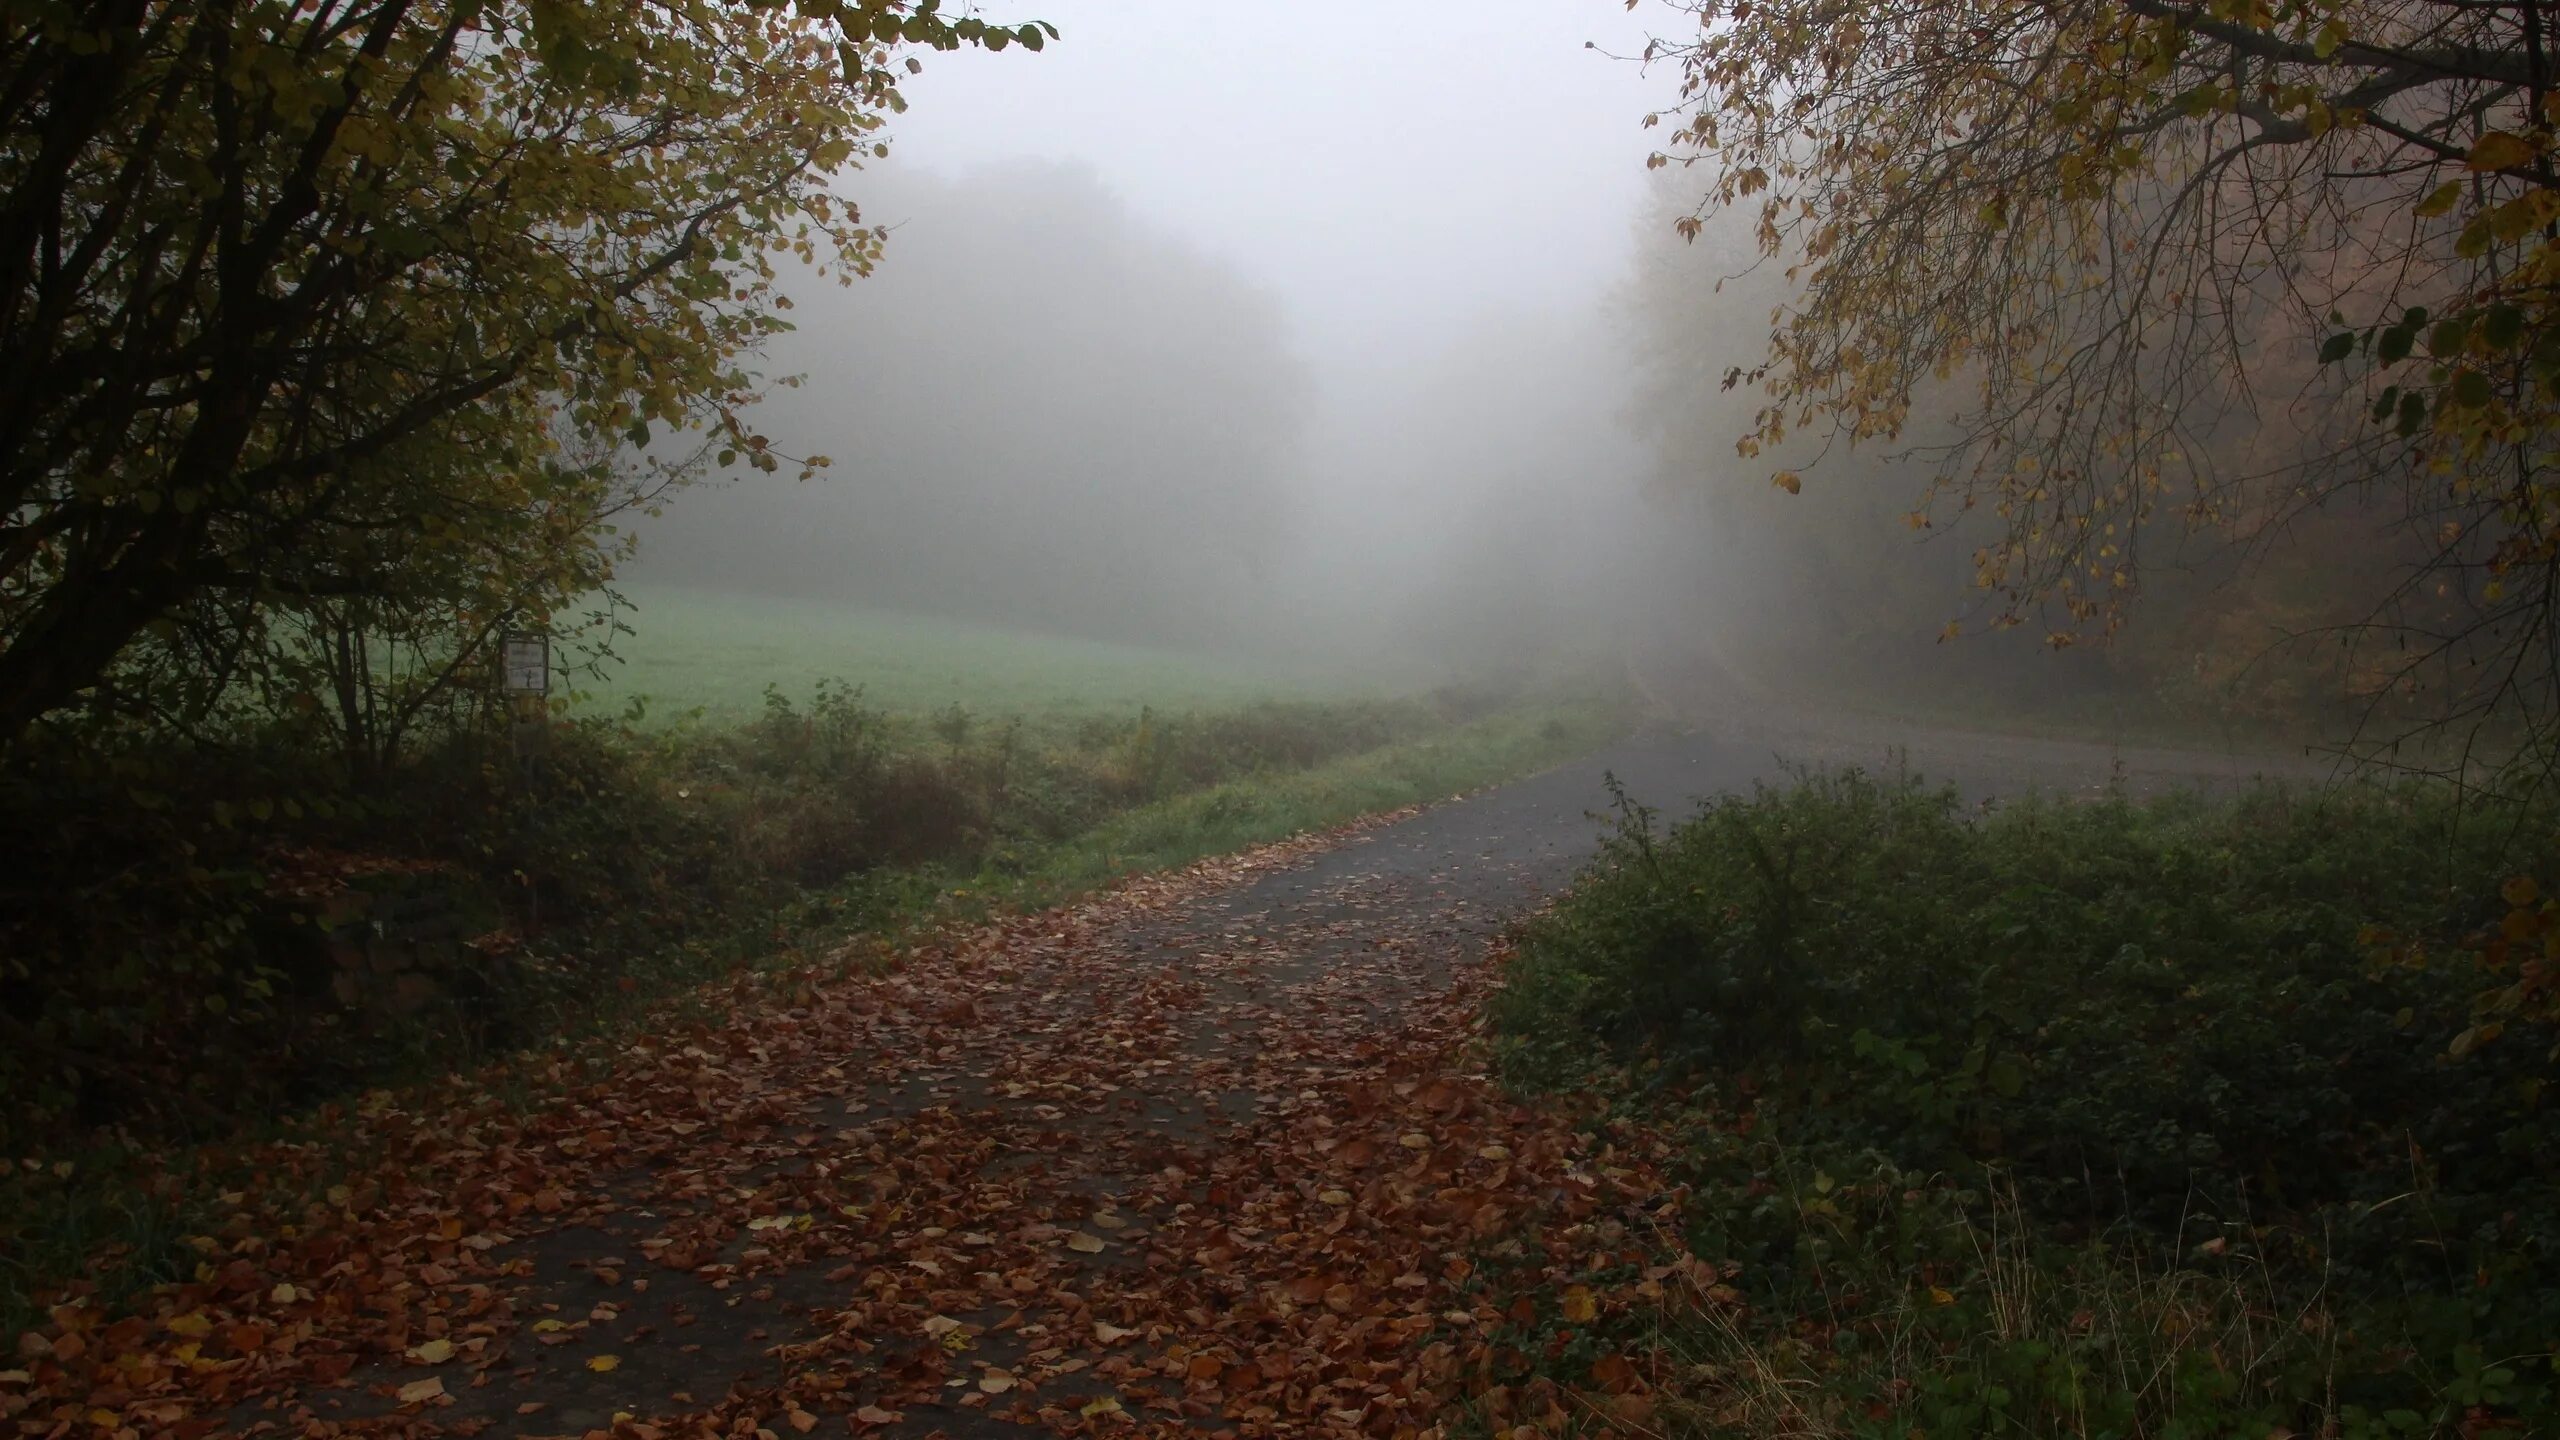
(1084, 1243)
(419, 1392)
(433, 1352)
(1580, 1305)
(801, 1420)
(602, 1363)
(995, 1382)
(874, 1415)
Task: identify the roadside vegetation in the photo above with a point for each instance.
(2182, 1117)
(203, 936)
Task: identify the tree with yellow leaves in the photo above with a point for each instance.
(2062, 250)
(297, 297)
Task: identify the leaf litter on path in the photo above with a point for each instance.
(1195, 1156)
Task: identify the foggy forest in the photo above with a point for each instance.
(1501, 721)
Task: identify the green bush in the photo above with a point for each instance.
(2158, 1025)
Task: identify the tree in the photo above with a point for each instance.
(294, 294)
(1063, 417)
(2129, 243)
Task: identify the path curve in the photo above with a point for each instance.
(1210, 1154)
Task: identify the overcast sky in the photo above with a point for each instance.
(1390, 169)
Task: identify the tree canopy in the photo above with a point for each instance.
(2105, 265)
(299, 295)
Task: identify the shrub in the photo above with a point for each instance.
(2161, 1024)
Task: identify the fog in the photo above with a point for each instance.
(1353, 334)
(1285, 328)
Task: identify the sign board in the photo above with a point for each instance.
(526, 660)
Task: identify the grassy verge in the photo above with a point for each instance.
(672, 862)
(2104, 1120)
(697, 652)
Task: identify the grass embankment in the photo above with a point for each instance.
(2103, 1120)
(643, 863)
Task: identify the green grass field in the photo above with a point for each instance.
(697, 652)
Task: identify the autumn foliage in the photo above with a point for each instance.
(2045, 250)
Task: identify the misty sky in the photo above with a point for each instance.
(1389, 168)
(1288, 324)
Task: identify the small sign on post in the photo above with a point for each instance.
(524, 666)
(524, 672)
(527, 662)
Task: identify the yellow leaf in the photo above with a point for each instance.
(1086, 1244)
(191, 1326)
(1941, 1296)
(549, 1326)
(418, 1392)
(602, 1363)
(2499, 150)
(1580, 1305)
(2519, 892)
(434, 1352)
(1788, 481)
(1107, 1405)
(2441, 199)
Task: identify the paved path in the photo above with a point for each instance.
(1211, 1154)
